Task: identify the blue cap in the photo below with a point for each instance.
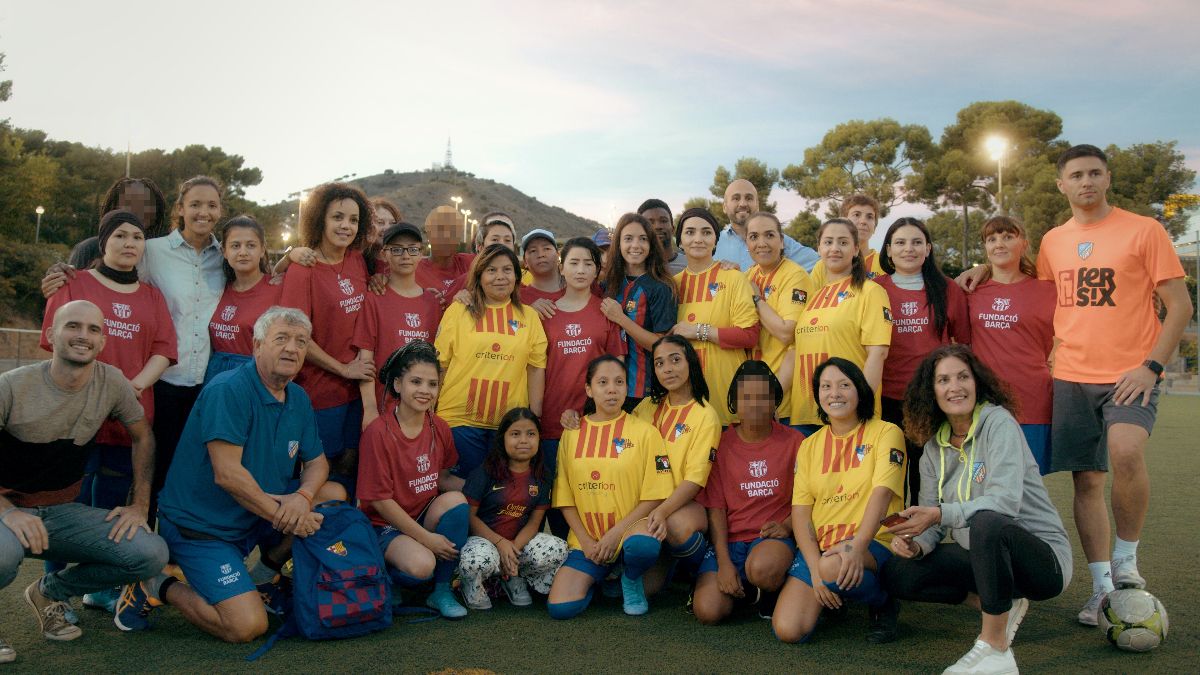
(602, 237)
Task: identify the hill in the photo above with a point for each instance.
(419, 192)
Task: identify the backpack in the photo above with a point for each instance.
(340, 583)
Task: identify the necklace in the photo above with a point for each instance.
(341, 266)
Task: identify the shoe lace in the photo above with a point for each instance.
(56, 615)
(129, 599)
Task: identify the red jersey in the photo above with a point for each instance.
(573, 340)
(332, 296)
(393, 466)
(231, 329)
(913, 332)
(1012, 331)
(752, 481)
(390, 321)
(440, 279)
(137, 326)
(529, 294)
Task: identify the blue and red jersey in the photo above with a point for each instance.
(650, 304)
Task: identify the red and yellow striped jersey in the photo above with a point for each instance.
(691, 433)
(484, 362)
(786, 290)
(606, 468)
(721, 298)
(836, 475)
(839, 320)
(870, 261)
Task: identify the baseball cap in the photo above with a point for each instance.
(539, 233)
(398, 229)
(602, 237)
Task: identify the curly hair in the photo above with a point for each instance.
(112, 200)
(922, 414)
(417, 351)
(696, 381)
(495, 464)
(312, 223)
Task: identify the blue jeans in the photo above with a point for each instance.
(79, 534)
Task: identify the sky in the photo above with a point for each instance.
(585, 105)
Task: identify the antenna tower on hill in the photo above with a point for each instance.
(449, 155)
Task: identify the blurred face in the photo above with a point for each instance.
(1084, 182)
(836, 247)
(607, 388)
(124, 247)
(77, 334)
(498, 279)
(137, 199)
(1004, 249)
(383, 218)
(243, 250)
(865, 219)
(671, 367)
(541, 257)
(837, 395)
(499, 233)
(418, 386)
(754, 401)
(698, 238)
(403, 253)
(281, 354)
(741, 199)
(664, 229)
(764, 241)
(521, 440)
(201, 208)
(341, 223)
(954, 387)
(579, 269)
(908, 249)
(635, 245)
(444, 235)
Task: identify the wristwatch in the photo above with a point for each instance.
(1154, 366)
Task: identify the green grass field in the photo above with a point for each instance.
(668, 640)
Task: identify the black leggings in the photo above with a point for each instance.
(1005, 561)
(892, 410)
(172, 406)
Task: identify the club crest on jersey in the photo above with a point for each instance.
(799, 297)
(714, 287)
(228, 312)
(514, 326)
(346, 286)
(908, 308)
(843, 295)
(758, 468)
(681, 429)
(122, 310)
(767, 291)
(630, 306)
(1085, 250)
(896, 456)
(872, 275)
(662, 464)
(533, 490)
(887, 315)
(978, 472)
(621, 445)
(412, 319)
(574, 329)
(423, 463)
(337, 548)
(1001, 304)
(226, 568)
(861, 451)
(293, 448)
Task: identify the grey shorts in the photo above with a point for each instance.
(1082, 414)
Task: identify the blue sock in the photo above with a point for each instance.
(640, 554)
(405, 581)
(453, 526)
(692, 551)
(568, 610)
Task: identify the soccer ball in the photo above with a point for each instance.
(1133, 620)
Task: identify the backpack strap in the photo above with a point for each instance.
(420, 614)
(288, 629)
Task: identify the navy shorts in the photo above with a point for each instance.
(340, 427)
(472, 444)
(739, 551)
(576, 560)
(386, 534)
(215, 568)
(1038, 438)
(878, 551)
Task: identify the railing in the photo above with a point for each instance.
(18, 347)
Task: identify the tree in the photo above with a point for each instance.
(5, 85)
(701, 203)
(1144, 178)
(946, 231)
(803, 228)
(754, 170)
(868, 157)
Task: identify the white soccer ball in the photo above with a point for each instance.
(1133, 620)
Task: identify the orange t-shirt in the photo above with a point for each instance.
(1106, 273)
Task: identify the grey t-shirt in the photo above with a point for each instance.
(46, 431)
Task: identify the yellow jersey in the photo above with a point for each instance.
(842, 321)
(606, 468)
(870, 261)
(484, 362)
(691, 433)
(836, 475)
(785, 290)
(721, 298)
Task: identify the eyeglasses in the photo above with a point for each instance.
(401, 250)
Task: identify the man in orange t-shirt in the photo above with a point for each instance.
(1108, 264)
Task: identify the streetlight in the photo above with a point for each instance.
(996, 147)
(457, 205)
(37, 233)
(466, 213)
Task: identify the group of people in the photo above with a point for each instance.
(784, 428)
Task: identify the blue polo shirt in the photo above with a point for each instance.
(731, 247)
(236, 407)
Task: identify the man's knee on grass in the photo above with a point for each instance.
(243, 618)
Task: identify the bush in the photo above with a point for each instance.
(22, 266)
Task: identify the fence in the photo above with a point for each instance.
(18, 347)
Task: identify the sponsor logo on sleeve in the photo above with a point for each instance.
(662, 464)
(896, 456)
(799, 297)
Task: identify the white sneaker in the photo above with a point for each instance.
(1015, 616)
(474, 593)
(517, 591)
(983, 659)
(1090, 614)
(1125, 573)
(7, 653)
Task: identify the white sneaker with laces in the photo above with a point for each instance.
(1125, 573)
(983, 659)
(1015, 616)
(1090, 614)
(517, 591)
(474, 593)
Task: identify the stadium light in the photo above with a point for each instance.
(996, 147)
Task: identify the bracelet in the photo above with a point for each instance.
(304, 493)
